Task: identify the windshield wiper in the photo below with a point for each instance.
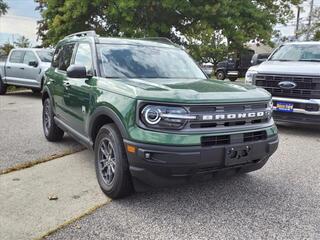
(281, 60)
(310, 60)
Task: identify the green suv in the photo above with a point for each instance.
(150, 114)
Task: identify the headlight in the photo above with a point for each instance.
(164, 117)
(249, 76)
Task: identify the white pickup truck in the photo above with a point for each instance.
(25, 67)
(292, 75)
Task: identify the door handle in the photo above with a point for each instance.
(8, 67)
(22, 68)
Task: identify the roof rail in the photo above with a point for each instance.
(159, 39)
(91, 33)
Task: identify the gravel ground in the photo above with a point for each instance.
(281, 201)
(22, 138)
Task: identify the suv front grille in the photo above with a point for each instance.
(307, 87)
(206, 115)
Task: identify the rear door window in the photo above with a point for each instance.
(17, 56)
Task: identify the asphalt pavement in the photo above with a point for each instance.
(280, 201)
(21, 135)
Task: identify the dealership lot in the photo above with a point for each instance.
(281, 201)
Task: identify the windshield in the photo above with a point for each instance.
(45, 55)
(297, 52)
(132, 61)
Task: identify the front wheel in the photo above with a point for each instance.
(111, 163)
(51, 131)
(3, 87)
(220, 75)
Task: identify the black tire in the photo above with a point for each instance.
(220, 75)
(51, 131)
(3, 87)
(233, 79)
(111, 163)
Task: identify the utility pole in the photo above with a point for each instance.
(310, 20)
(298, 22)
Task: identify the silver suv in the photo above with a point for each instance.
(25, 67)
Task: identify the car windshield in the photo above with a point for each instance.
(297, 52)
(45, 55)
(133, 61)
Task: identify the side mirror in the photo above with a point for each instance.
(33, 64)
(77, 71)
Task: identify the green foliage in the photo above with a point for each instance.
(6, 48)
(208, 28)
(22, 42)
(3, 7)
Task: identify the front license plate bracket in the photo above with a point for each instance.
(237, 155)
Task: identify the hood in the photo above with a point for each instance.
(189, 91)
(290, 68)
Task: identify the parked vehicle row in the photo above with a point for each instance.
(152, 116)
(25, 68)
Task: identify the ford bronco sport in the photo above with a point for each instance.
(151, 115)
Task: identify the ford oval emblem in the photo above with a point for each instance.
(287, 85)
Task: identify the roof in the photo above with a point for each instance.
(91, 36)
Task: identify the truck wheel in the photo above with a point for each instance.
(232, 79)
(3, 88)
(111, 163)
(51, 131)
(221, 75)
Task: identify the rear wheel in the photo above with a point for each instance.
(51, 131)
(3, 87)
(221, 75)
(111, 163)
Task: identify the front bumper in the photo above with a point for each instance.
(158, 165)
(304, 111)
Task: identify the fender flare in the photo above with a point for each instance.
(108, 112)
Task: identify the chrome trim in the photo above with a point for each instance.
(295, 100)
(178, 116)
(298, 110)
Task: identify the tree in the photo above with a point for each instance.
(6, 48)
(314, 28)
(22, 42)
(3, 7)
(208, 28)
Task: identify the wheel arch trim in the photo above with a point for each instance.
(106, 111)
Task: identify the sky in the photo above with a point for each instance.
(21, 19)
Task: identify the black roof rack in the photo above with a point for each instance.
(159, 39)
(83, 34)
